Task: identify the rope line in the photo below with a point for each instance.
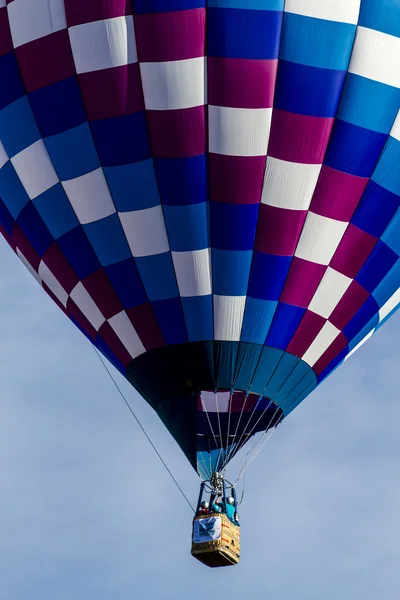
(141, 427)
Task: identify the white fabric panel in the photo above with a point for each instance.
(193, 272)
(329, 292)
(345, 11)
(376, 55)
(2, 3)
(207, 529)
(320, 238)
(87, 305)
(215, 402)
(3, 155)
(35, 169)
(175, 84)
(33, 19)
(103, 44)
(90, 196)
(389, 305)
(228, 317)
(321, 343)
(239, 131)
(28, 266)
(289, 185)
(127, 334)
(367, 337)
(145, 231)
(55, 286)
(396, 128)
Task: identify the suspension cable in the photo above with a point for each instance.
(141, 426)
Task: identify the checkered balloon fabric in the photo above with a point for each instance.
(209, 190)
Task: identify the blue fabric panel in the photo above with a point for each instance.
(316, 42)
(391, 236)
(387, 172)
(6, 220)
(246, 362)
(249, 4)
(56, 211)
(158, 276)
(368, 312)
(371, 324)
(368, 103)
(281, 374)
(122, 140)
(333, 365)
(182, 180)
(295, 377)
(187, 226)
(243, 33)
(382, 15)
(286, 320)
(233, 226)
(18, 128)
(307, 90)
(127, 284)
(224, 361)
(303, 390)
(116, 248)
(35, 230)
(73, 152)
(388, 286)
(109, 354)
(12, 192)
(267, 364)
(9, 72)
(142, 7)
(257, 320)
(353, 149)
(376, 209)
(169, 315)
(230, 271)
(134, 186)
(268, 275)
(198, 313)
(58, 107)
(376, 267)
(79, 252)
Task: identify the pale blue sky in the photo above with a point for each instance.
(88, 512)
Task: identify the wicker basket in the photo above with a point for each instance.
(220, 552)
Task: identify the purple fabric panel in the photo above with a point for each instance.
(112, 92)
(353, 250)
(175, 35)
(236, 179)
(99, 287)
(19, 240)
(85, 11)
(330, 354)
(337, 194)
(302, 281)
(60, 267)
(177, 133)
(310, 326)
(80, 318)
(278, 230)
(6, 44)
(241, 83)
(299, 138)
(107, 333)
(46, 60)
(353, 299)
(144, 321)
(240, 402)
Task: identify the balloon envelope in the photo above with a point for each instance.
(209, 190)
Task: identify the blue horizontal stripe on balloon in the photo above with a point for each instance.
(233, 226)
(122, 140)
(308, 90)
(382, 15)
(56, 211)
(376, 209)
(158, 276)
(243, 33)
(198, 311)
(353, 149)
(76, 247)
(158, 6)
(316, 42)
(376, 267)
(362, 101)
(268, 275)
(116, 249)
(169, 315)
(187, 226)
(73, 152)
(58, 107)
(230, 271)
(133, 186)
(9, 71)
(286, 320)
(182, 180)
(18, 128)
(368, 312)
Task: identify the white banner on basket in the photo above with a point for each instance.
(207, 530)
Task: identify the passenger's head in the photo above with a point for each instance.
(204, 504)
(230, 500)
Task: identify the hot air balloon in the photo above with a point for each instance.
(210, 191)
